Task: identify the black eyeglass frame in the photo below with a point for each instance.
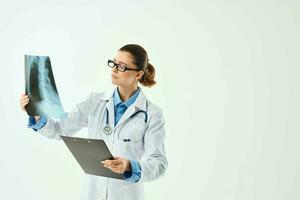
(120, 67)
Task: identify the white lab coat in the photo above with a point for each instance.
(146, 145)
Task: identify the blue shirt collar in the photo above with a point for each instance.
(131, 100)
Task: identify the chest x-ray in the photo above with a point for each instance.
(41, 89)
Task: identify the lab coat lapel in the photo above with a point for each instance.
(139, 104)
(111, 110)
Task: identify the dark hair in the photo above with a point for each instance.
(140, 59)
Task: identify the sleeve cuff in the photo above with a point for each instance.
(135, 174)
(36, 126)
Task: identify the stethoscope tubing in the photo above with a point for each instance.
(107, 129)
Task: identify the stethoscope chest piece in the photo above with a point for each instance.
(107, 129)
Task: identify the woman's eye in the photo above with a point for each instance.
(122, 66)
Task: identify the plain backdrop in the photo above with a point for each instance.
(227, 80)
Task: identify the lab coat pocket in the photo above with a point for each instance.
(133, 131)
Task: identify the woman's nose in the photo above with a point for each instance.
(114, 69)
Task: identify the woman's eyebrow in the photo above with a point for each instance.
(120, 62)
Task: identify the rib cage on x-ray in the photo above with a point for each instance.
(41, 89)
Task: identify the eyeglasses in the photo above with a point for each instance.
(120, 67)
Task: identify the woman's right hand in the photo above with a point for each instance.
(24, 100)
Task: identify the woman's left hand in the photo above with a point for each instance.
(118, 165)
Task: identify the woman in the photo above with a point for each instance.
(131, 126)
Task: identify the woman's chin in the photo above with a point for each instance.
(114, 82)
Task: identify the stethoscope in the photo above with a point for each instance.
(108, 130)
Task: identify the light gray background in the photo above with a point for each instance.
(228, 82)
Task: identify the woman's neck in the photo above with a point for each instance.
(126, 93)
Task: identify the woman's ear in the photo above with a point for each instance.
(140, 74)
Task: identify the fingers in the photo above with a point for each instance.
(112, 162)
(24, 100)
(24, 97)
(23, 103)
(117, 169)
(23, 94)
(116, 162)
(116, 166)
(113, 168)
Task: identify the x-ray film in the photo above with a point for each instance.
(41, 89)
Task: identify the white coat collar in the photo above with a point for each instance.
(139, 104)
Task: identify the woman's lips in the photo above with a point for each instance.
(113, 76)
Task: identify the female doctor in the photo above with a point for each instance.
(130, 124)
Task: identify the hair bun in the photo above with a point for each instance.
(148, 77)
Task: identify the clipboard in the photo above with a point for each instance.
(89, 153)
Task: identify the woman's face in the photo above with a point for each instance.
(126, 79)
